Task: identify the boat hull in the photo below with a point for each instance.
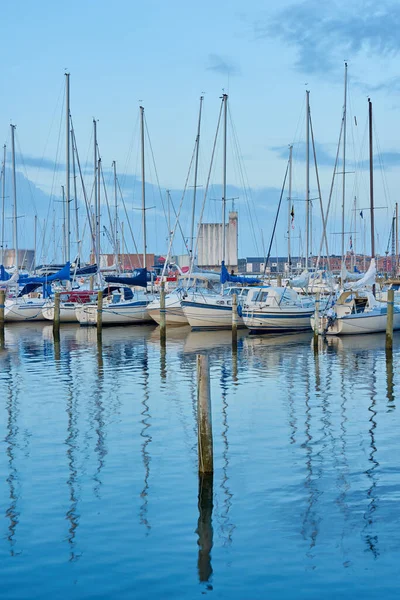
(209, 316)
(174, 315)
(67, 312)
(357, 324)
(30, 310)
(129, 314)
(275, 320)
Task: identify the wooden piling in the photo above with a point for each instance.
(316, 320)
(205, 439)
(234, 319)
(162, 314)
(279, 280)
(56, 318)
(99, 313)
(2, 306)
(389, 320)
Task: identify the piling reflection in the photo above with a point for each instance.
(389, 380)
(146, 422)
(204, 527)
(12, 408)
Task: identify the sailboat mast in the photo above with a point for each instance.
(67, 190)
(290, 208)
(397, 238)
(307, 177)
(196, 165)
(371, 178)
(3, 200)
(96, 218)
(344, 156)
(15, 228)
(143, 186)
(64, 231)
(225, 100)
(115, 213)
(98, 210)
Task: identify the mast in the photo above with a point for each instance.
(3, 194)
(35, 245)
(307, 177)
(196, 164)
(15, 228)
(64, 230)
(96, 217)
(290, 208)
(344, 156)
(67, 190)
(143, 186)
(371, 178)
(115, 213)
(225, 101)
(397, 238)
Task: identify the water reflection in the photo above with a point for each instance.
(98, 415)
(146, 422)
(12, 408)
(227, 527)
(371, 537)
(204, 527)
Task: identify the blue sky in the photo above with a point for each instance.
(164, 55)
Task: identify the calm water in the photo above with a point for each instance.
(99, 491)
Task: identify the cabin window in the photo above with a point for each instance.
(262, 296)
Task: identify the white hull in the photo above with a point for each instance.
(174, 315)
(276, 319)
(130, 313)
(67, 312)
(209, 316)
(26, 310)
(357, 324)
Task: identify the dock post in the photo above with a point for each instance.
(316, 321)
(162, 314)
(2, 306)
(234, 319)
(99, 313)
(204, 432)
(279, 280)
(56, 319)
(389, 320)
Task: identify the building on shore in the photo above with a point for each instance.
(209, 254)
(26, 258)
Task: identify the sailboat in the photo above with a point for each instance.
(356, 311)
(123, 305)
(211, 310)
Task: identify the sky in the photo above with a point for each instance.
(163, 56)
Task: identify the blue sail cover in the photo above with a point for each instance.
(4, 276)
(61, 275)
(224, 277)
(138, 277)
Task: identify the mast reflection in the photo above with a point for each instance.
(143, 513)
(12, 513)
(100, 448)
(371, 539)
(227, 526)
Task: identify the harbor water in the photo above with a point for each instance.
(100, 495)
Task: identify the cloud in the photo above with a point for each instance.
(222, 65)
(325, 33)
(36, 162)
(324, 156)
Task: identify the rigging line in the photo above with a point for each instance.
(129, 223)
(276, 219)
(206, 189)
(178, 215)
(155, 170)
(87, 205)
(55, 168)
(320, 197)
(242, 173)
(108, 207)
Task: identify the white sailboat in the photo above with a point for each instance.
(275, 309)
(357, 311)
(128, 310)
